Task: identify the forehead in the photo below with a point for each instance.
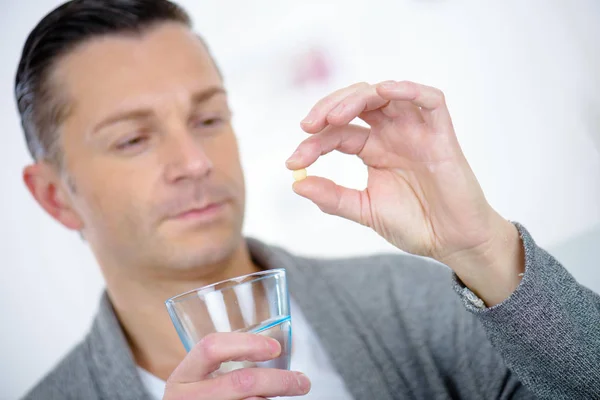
(166, 61)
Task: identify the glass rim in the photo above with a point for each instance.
(254, 277)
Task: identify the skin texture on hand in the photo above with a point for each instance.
(192, 378)
(421, 194)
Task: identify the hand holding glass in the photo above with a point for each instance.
(256, 303)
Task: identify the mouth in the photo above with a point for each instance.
(201, 214)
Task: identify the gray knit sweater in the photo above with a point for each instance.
(394, 329)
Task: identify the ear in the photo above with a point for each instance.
(48, 189)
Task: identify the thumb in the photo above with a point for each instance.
(335, 199)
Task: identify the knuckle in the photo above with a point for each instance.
(387, 82)
(326, 102)
(312, 145)
(441, 96)
(438, 97)
(410, 86)
(329, 209)
(209, 346)
(360, 85)
(242, 380)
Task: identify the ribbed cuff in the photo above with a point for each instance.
(475, 304)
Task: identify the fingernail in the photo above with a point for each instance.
(303, 382)
(293, 157)
(338, 110)
(307, 120)
(388, 85)
(274, 347)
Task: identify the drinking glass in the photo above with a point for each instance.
(254, 303)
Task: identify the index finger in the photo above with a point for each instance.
(214, 349)
(348, 139)
(431, 100)
(316, 120)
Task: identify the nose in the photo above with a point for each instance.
(187, 160)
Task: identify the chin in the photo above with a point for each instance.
(204, 250)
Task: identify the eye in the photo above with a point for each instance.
(208, 122)
(132, 142)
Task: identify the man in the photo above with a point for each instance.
(126, 116)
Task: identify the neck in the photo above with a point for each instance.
(139, 304)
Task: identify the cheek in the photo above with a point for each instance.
(113, 196)
(224, 154)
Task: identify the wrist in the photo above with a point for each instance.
(493, 270)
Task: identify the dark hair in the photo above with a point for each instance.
(41, 108)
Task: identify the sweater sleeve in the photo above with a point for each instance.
(548, 330)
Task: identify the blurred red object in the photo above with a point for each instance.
(312, 67)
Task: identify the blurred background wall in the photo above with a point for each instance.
(522, 79)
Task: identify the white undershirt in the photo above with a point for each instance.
(308, 356)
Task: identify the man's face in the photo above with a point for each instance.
(151, 151)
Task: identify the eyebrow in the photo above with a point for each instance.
(197, 99)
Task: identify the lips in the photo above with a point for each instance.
(206, 212)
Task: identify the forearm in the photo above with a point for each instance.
(547, 330)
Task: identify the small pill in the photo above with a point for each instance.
(299, 174)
